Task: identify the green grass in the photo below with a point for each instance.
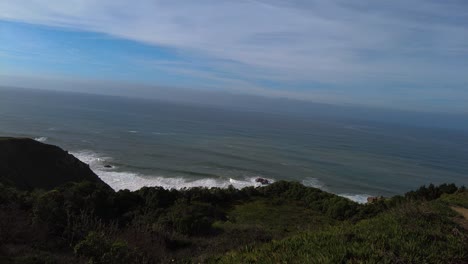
(457, 199)
(278, 220)
(257, 222)
(413, 233)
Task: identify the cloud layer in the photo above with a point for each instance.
(420, 43)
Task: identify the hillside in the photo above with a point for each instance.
(85, 221)
(416, 232)
(28, 164)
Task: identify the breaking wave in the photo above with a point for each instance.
(120, 180)
(41, 139)
(316, 183)
(133, 181)
(358, 198)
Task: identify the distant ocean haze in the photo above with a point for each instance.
(175, 145)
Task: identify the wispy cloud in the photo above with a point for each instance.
(335, 42)
(296, 39)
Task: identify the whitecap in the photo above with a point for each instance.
(41, 139)
(358, 198)
(94, 160)
(133, 181)
(313, 182)
(316, 183)
(120, 180)
(163, 133)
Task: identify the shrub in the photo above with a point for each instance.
(50, 213)
(99, 249)
(190, 218)
(431, 192)
(413, 233)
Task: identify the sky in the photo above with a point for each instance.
(410, 55)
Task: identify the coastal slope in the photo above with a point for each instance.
(28, 164)
(54, 209)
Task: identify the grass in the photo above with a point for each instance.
(456, 199)
(255, 223)
(278, 220)
(413, 233)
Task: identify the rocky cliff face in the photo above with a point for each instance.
(28, 164)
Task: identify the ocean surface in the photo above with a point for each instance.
(174, 145)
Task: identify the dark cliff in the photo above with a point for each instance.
(28, 164)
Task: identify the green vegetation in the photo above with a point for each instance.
(276, 219)
(88, 223)
(284, 222)
(413, 233)
(456, 199)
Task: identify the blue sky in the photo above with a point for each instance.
(392, 54)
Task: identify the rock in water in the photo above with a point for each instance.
(262, 181)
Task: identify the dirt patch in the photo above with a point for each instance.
(463, 222)
(461, 210)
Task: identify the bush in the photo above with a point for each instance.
(36, 259)
(160, 224)
(413, 233)
(50, 213)
(340, 209)
(99, 249)
(191, 218)
(431, 192)
(89, 197)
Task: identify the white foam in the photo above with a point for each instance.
(41, 139)
(93, 159)
(358, 198)
(316, 183)
(162, 133)
(120, 180)
(132, 181)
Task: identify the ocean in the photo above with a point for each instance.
(176, 145)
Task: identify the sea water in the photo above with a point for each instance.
(175, 145)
